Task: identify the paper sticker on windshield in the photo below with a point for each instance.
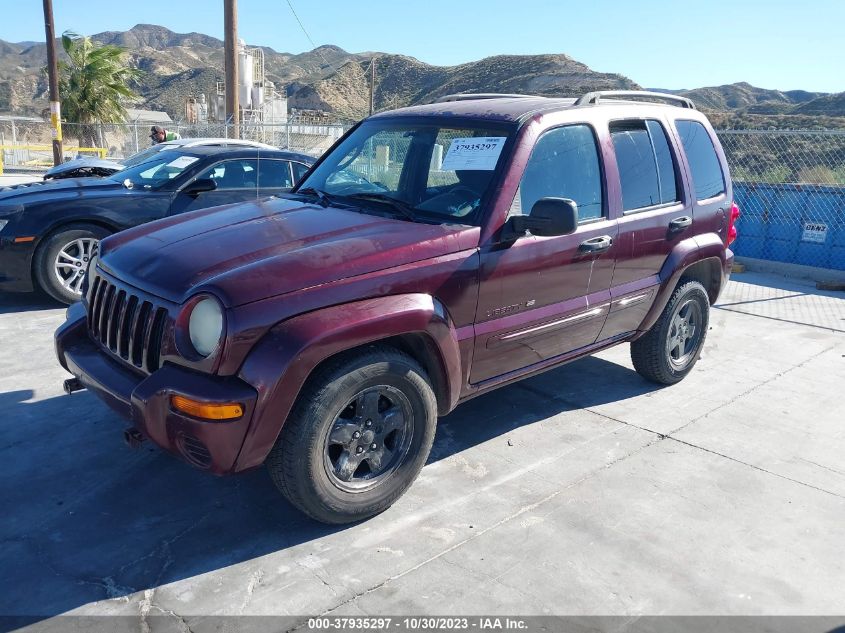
(474, 153)
(182, 162)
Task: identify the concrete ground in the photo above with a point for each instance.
(585, 490)
(7, 180)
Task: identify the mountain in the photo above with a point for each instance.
(743, 99)
(330, 79)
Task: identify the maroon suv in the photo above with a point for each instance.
(433, 254)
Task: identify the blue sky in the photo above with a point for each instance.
(657, 43)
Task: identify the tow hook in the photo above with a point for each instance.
(133, 437)
(73, 384)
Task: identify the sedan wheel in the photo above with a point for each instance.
(62, 258)
(72, 262)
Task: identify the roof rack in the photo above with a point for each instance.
(593, 98)
(467, 96)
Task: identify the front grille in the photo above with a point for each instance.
(128, 325)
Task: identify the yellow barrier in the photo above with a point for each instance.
(99, 151)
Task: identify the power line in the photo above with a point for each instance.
(302, 26)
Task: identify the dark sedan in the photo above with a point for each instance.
(48, 230)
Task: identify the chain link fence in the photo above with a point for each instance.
(790, 187)
(26, 144)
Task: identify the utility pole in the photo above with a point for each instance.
(53, 75)
(372, 85)
(230, 63)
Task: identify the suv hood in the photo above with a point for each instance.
(251, 251)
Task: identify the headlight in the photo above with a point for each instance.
(3, 223)
(205, 326)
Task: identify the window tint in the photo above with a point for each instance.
(706, 171)
(646, 170)
(298, 171)
(274, 174)
(233, 174)
(665, 166)
(564, 164)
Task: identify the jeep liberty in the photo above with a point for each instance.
(435, 253)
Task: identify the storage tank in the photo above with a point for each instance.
(246, 68)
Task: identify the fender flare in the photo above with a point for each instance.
(281, 362)
(708, 247)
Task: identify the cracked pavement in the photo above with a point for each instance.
(584, 490)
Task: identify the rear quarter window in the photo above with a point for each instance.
(707, 177)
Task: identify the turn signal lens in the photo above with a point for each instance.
(207, 410)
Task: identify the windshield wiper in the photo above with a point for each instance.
(322, 197)
(402, 207)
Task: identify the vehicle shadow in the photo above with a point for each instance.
(12, 302)
(88, 519)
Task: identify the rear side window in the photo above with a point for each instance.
(298, 171)
(707, 176)
(564, 164)
(274, 174)
(646, 169)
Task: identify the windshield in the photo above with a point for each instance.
(428, 170)
(157, 171)
(143, 156)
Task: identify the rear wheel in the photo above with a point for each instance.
(62, 260)
(358, 436)
(670, 349)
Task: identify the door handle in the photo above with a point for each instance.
(596, 244)
(681, 223)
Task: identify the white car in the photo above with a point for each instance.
(92, 166)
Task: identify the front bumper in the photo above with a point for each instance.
(145, 400)
(16, 265)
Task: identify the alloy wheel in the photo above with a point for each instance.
(369, 439)
(72, 262)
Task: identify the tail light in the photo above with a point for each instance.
(732, 234)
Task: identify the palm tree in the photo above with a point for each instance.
(93, 83)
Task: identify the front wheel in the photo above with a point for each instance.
(62, 260)
(357, 437)
(670, 349)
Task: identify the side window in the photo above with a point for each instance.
(646, 170)
(274, 174)
(233, 174)
(665, 165)
(707, 176)
(563, 164)
(298, 171)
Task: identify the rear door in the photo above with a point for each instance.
(540, 297)
(657, 213)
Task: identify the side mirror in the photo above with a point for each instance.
(549, 217)
(200, 186)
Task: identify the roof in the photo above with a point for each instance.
(505, 109)
(511, 108)
(147, 116)
(238, 151)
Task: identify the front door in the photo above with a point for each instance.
(541, 297)
(238, 180)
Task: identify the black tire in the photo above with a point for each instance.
(301, 463)
(652, 355)
(44, 264)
